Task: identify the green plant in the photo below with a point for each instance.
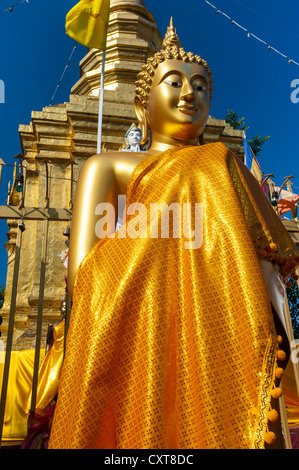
(236, 122)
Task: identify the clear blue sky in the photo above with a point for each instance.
(248, 78)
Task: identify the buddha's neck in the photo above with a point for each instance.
(162, 143)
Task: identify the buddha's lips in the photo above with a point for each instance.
(187, 109)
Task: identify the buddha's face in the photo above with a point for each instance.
(179, 100)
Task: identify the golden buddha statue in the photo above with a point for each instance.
(172, 105)
(172, 347)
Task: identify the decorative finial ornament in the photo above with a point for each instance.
(171, 49)
(171, 38)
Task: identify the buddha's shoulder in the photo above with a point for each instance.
(114, 159)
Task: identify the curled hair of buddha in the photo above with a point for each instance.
(171, 49)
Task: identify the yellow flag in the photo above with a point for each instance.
(87, 23)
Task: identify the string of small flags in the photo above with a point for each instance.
(13, 6)
(249, 34)
(61, 78)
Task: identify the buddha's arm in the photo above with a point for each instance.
(96, 184)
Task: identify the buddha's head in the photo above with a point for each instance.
(173, 94)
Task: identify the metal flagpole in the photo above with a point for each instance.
(101, 101)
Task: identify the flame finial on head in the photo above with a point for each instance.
(171, 37)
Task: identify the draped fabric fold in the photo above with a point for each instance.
(19, 386)
(171, 347)
(49, 372)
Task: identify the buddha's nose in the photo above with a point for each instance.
(188, 93)
(190, 97)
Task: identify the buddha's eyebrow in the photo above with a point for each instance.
(171, 72)
(201, 77)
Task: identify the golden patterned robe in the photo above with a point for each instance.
(172, 348)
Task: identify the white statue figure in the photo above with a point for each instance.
(132, 139)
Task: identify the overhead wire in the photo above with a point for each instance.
(63, 73)
(42, 174)
(13, 6)
(250, 34)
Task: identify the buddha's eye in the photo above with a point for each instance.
(198, 86)
(173, 83)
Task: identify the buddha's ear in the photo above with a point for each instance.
(143, 121)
